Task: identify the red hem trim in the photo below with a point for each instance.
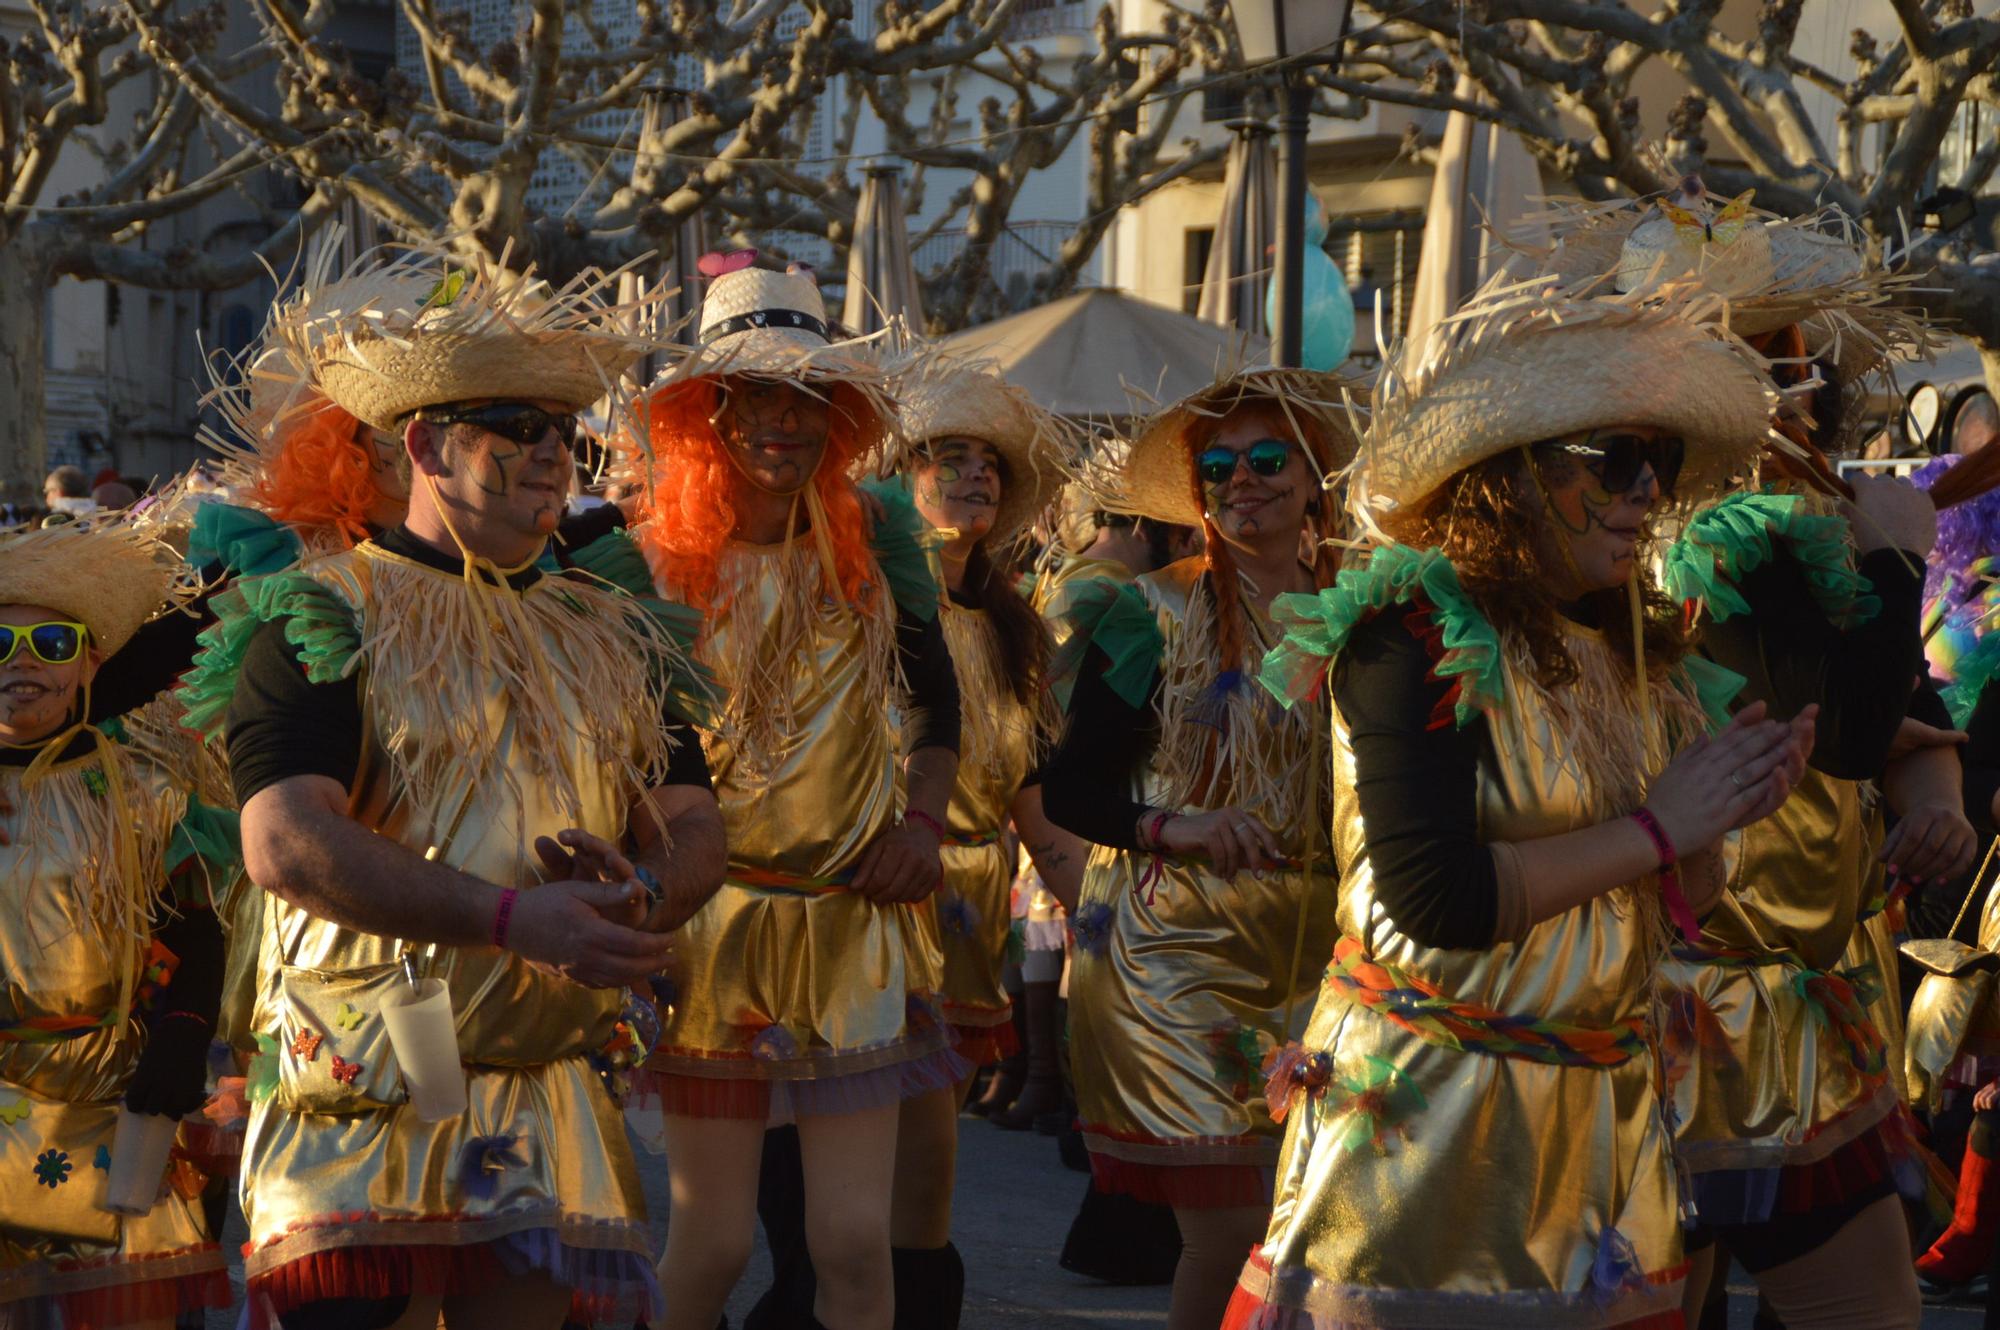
(149, 1300)
(385, 1272)
(1190, 1186)
(984, 1044)
(1245, 1307)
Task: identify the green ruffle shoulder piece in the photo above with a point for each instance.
(1318, 626)
(1970, 675)
(246, 542)
(212, 835)
(902, 541)
(616, 560)
(1726, 543)
(319, 623)
(1714, 687)
(1113, 617)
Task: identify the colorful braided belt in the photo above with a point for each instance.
(159, 969)
(1418, 1007)
(1838, 998)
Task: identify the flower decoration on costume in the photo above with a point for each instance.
(262, 1079)
(14, 1112)
(1290, 1068)
(958, 916)
(186, 1178)
(230, 1104)
(774, 1043)
(52, 1168)
(305, 1045)
(1691, 1032)
(347, 1018)
(93, 780)
(1369, 1108)
(484, 1159)
(1236, 1051)
(1615, 1269)
(101, 1161)
(345, 1071)
(1091, 927)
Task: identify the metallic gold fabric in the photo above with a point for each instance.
(63, 954)
(1178, 979)
(808, 981)
(1764, 1075)
(1956, 1010)
(324, 1151)
(970, 912)
(1518, 1193)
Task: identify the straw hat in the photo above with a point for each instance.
(1518, 365)
(955, 398)
(774, 324)
(410, 327)
(1157, 480)
(106, 574)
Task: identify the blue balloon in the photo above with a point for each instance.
(1326, 320)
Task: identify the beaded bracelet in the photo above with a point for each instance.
(1670, 874)
(503, 914)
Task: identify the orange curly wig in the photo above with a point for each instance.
(323, 475)
(686, 513)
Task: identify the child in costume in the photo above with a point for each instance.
(110, 959)
(1525, 794)
(807, 988)
(455, 763)
(1208, 888)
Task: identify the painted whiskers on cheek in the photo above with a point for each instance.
(494, 478)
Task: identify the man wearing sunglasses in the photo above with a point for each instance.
(454, 762)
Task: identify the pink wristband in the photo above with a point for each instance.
(502, 914)
(1670, 876)
(918, 815)
(1156, 825)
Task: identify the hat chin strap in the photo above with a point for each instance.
(474, 563)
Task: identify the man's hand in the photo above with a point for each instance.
(1930, 841)
(901, 866)
(1913, 735)
(565, 928)
(579, 856)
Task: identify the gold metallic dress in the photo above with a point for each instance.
(492, 716)
(1178, 980)
(85, 851)
(1474, 1137)
(1953, 1040)
(972, 911)
(791, 994)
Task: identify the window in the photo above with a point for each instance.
(1196, 242)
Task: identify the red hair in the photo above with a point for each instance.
(323, 475)
(688, 510)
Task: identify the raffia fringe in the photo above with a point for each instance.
(420, 629)
(1239, 748)
(990, 715)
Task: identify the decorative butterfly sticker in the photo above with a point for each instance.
(448, 289)
(305, 1045)
(716, 263)
(347, 1018)
(1720, 228)
(14, 1112)
(345, 1071)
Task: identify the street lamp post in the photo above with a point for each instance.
(1290, 31)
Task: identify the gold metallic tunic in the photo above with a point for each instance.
(85, 854)
(488, 718)
(1178, 979)
(971, 911)
(785, 978)
(1775, 1058)
(1424, 1184)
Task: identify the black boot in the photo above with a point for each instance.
(1120, 1239)
(930, 1287)
(1041, 1093)
(781, 1207)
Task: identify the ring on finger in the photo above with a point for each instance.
(1736, 779)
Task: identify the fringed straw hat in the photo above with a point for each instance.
(1519, 364)
(1156, 480)
(414, 326)
(951, 398)
(104, 573)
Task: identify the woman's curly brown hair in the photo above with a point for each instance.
(1491, 520)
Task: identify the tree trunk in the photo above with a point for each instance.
(23, 443)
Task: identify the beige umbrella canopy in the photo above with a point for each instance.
(1485, 179)
(881, 279)
(1239, 261)
(1077, 356)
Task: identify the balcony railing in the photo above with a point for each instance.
(1046, 18)
(1020, 253)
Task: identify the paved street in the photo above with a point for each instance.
(1016, 1202)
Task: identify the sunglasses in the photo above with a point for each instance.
(520, 422)
(57, 642)
(1267, 457)
(1618, 459)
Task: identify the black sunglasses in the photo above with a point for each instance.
(1267, 457)
(520, 422)
(1618, 459)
